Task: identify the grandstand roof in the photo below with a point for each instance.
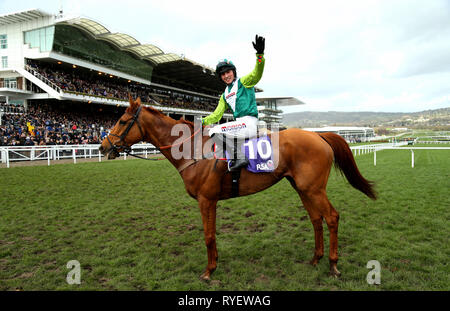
(123, 41)
(167, 65)
(23, 16)
(126, 42)
(282, 101)
(186, 70)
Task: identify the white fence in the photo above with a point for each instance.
(60, 152)
(364, 149)
(74, 152)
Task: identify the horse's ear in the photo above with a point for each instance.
(130, 98)
(133, 104)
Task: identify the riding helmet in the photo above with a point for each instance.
(225, 65)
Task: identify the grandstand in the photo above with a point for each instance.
(61, 65)
(81, 43)
(64, 66)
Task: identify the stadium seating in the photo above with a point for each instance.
(53, 122)
(62, 123)
(89, 83)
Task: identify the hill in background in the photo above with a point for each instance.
(438, 118)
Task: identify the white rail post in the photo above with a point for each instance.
(412, 158)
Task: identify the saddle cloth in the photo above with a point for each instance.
(259, 151)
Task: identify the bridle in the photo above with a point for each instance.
(126, 148)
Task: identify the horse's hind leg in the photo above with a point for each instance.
(319, 207)
(332, 220)
(208, 211)
(316, 220)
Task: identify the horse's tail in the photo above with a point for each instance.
(345, 162)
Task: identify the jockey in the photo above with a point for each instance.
(239, 95)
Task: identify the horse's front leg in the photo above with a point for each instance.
(208, 211)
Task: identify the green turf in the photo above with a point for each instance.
(132, 226)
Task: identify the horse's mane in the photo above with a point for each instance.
(132, 109)
(154, 111)
(190, 123)
(162, 115)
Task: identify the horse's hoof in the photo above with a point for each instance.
(334, 272)
(205, 277)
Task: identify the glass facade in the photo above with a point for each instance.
(40, 38)
(10, 83)
(3, 41)
(73, 42)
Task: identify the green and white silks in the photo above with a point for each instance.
(240, 97)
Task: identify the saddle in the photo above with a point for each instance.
(259, 152)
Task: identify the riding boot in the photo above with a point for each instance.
(239, 159)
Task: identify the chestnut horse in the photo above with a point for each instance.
(304, 158)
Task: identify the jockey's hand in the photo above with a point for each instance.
(259, 44)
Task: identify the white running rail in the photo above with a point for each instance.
(60, 152)
(364, 149)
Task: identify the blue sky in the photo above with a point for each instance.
(349, 55)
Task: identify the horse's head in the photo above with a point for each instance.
(125, 133)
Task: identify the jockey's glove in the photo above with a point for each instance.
(259, 44)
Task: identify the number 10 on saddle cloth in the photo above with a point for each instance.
(259, 151)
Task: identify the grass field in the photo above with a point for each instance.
(132, 226)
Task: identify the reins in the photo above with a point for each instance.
(127, 149)
(142, 158)
(177, 144)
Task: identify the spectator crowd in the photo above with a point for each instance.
(93, 84)
(69, 123)
(47, 124)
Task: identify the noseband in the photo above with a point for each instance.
(125, 147)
